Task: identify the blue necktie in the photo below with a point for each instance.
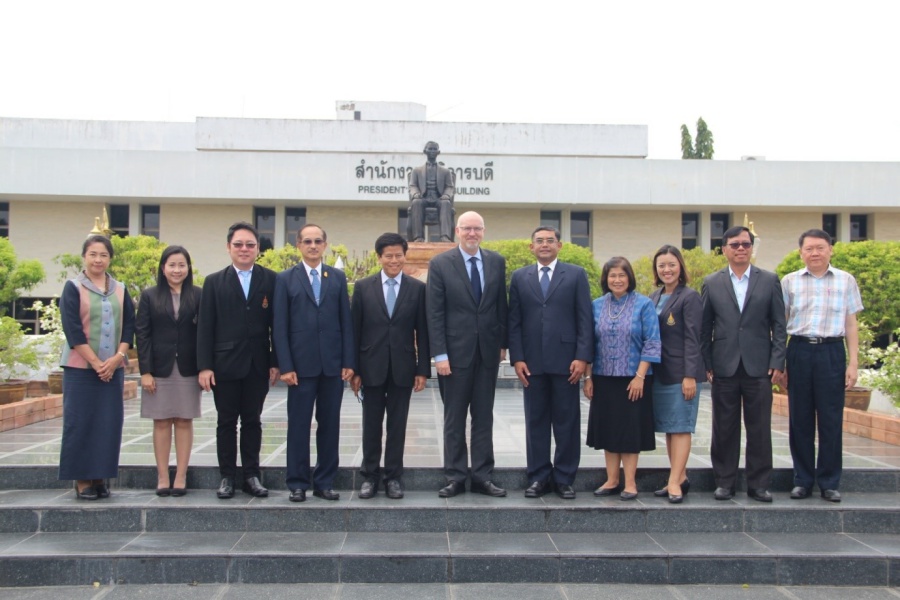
(545, 281)
(245, 282)
(391, 296)
(476, 280)
(316, 284)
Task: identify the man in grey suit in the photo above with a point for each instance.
(467, 310)
(551, 340)
(430, 185)
(743, 346)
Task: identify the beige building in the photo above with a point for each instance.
(185, 183)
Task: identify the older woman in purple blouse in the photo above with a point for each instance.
(626, 342)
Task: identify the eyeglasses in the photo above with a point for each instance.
(471, 229)
(239, 245)
(744, 245)
(309, 242)
(542, 241)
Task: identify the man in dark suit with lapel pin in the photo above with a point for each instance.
(234, 355)
(743, 345)
(392, 360)
(467, 320)
(314, 342)
(551, 340)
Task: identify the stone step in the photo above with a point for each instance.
(770, 558)
(30, 477)
(132, 511)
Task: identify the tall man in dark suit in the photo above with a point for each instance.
(234, 355)
(392, 360)
(743, 345)
(551, 340)
(467, 312)
(313, 336)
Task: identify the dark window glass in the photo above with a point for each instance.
(4, 219)
(690, 230)
(402, 222)
(859, 228)
(264, 220)
(551, 218)
(294, 219)
(150, 220)
(581, 229)
(829, 225)
(118, 219)
(718, 225)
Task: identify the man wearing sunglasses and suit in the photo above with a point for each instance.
(743, 345)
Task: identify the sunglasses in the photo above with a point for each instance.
(744, 245)
(309, 242)
(239, 245)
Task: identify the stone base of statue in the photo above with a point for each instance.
(420, 253)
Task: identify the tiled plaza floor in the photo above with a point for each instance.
(39, 443)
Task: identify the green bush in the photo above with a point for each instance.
(518, 255)
(280, 259)
(876, 266)
(698, 263)
(16, 276)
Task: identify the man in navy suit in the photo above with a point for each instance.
(551, 341)
(313, 336)
(234, 355)
(467, 312)
(392, 360)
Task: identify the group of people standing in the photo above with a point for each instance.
(639, 360)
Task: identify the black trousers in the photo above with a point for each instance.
(467, 391)
(240, 399)
(816, 394)
(551, 402)
(378, 399)
(729, 396)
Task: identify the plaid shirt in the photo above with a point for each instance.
(818, 306)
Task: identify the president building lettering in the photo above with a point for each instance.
(383, 170)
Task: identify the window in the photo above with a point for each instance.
(718, 225)
(264, 221)
(581, 229)
(4, 219)
(20, 310)
(294, 219)
(829, 225)
(690, 230)
(859, 228)
(551, 218)
(150, 220)
(118, 219)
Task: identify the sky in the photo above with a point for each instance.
(786, 79)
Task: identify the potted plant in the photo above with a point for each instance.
(886, 378)
(859, 396)
(52, 343)
(17, 359)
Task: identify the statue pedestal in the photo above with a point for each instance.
(420, 253)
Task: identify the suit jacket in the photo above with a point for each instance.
(313, 339)
(756, 335)
(400, 340)
(163, 340)
(233, 332)
(680, 324)
(446, 182)
(549, 334)
(456, 325)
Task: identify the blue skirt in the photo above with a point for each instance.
(93, 413)
(671, 412)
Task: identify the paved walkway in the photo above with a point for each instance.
(38, 444)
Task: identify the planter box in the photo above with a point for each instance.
(874, 426)
(35, 410)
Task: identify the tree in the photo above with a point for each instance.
(703, 148)
(697, 262)
(518, 255)
(16, 276)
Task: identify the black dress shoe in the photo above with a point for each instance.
(393, 489)
(723, 493)
(326, 494)
(178, 492)
(254, 487)
(566, 492)
(628, 495)
(537, 489)
(607, 491)
(664, 491)
(297, 496)
(760, 495)
(88, 493)
(488, 489)
(799, 493)
(676, 498)
(451, 489)
(368, 489)
(102, 490)
(831, 495)
(226, 489)
(163, 492)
